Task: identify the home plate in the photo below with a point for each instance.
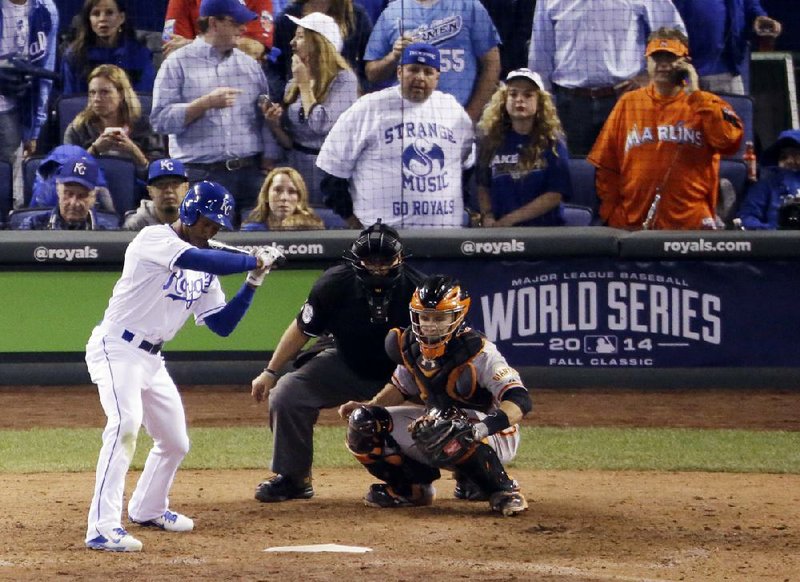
(321, 548)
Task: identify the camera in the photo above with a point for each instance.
(264, 100)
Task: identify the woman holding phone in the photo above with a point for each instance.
(112, 124)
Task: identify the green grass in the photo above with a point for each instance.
(46, 450)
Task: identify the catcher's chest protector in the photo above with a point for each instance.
(451, 380)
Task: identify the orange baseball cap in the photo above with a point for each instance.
(668, 45)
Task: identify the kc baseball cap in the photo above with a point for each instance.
(165, 167)
(421, 53)
(323, 24)
(531, 76)
(233, 8)
(78, 170)
(667, 45)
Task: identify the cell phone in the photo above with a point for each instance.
(679, 76)
(264, 100)
(113, 130)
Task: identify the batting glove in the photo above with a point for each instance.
(256, 277)
(269, 256)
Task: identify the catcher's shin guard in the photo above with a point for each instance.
(368, 438)
(485, 469)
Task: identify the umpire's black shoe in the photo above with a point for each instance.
(283, 487)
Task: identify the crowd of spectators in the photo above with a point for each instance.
(424, 113)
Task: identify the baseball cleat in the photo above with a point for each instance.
(282, 488)
(509, 503)
(168, 521)
(122, 541)
(383, 495)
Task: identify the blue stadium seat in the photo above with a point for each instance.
(743, 106)
(120, 175)
(67, 107)
(331, 220)
(29, 167)
(6, 191)
(581, 173)
(575, 215)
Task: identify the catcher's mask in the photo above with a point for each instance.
(377, 259)
(438, 308)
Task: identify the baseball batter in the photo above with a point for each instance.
(403, 149)
(472, 399)
(168, 275)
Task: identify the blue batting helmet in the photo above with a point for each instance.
(208, 199)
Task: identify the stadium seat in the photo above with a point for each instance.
(67, 107)
(6, 191)
(331, 220)
(575, 215)
(29, 167)
(743, 106)
(581, 173)
(120, 175)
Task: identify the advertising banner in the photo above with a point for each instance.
(606, 313)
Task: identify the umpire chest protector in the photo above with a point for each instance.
(448, 380)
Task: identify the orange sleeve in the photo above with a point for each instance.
(261, 29)
(722, 127)
(185, 14)
(605, 158)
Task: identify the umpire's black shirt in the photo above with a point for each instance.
(337, 304)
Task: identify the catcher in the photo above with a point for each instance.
(453, 403)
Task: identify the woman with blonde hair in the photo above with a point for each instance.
(282, 204)
(321, 89)
(112, 122)
(523, 171)
(354, 24)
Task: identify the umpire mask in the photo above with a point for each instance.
(377, 259)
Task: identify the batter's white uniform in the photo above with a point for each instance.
(150, 303)
(403, 159)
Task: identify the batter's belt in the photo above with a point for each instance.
(132, 337)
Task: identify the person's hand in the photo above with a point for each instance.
(251, 48)
(400, 45)
(261, 385)
(347, 408)
(300, 72)
(174, 43)
(686, 70)
(222, 97)
(272, 114)
(489, 221)
(29, 148)
(104, 142)
(766, 26)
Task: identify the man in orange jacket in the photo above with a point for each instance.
(657, 156)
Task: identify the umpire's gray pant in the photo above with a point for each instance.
(295, 401)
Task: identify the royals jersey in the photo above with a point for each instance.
(149, 271)
(462, 30)
(668, 145)
(403, 159)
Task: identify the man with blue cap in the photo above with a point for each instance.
(398, 154)
(166, 185)
(773, 202)
(76, 188)
(205, 98)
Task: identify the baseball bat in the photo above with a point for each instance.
(221, 246)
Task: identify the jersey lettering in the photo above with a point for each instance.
(677, 133)
(187, 288)
(438, 31)
(419, 129)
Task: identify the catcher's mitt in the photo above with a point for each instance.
(444, 437)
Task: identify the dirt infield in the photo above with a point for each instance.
(585, 525)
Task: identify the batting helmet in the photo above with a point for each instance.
(445, 304)
(211, 200)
